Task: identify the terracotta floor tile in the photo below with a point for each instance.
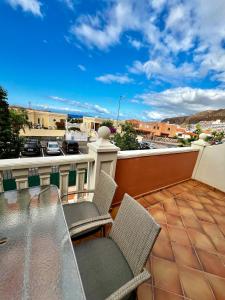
(171, 207)
(196, 205)
(176, 189)
(200, 240)
(143, 202)
(219, 244)
(163, 249)
(218, 286)
(182, 203)
(212, 208)
(191, 222)
(203, 215)
(220, 202)
(216, 194)
(179, 236)
(174, 220)
(162, 295)
(222, 228)
(193, 182)
(158, 214)
(189, 196)
(166, 276)
(205, 200)
(211, 263)
(185, 256)
(212, 230)
(144, 292)
(164, 233)
(187, 211)
(195, 284)
(219, 219)
(162, 196)
(150, 199)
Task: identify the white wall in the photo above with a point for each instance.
(210, 167)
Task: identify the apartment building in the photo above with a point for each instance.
(43, 119)
(155, 128)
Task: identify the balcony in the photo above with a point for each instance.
(182, 188)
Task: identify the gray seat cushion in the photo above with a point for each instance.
(103, 268)
(76, 212)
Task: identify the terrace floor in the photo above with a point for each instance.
(188, 259)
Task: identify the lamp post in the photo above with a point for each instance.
(118, 112)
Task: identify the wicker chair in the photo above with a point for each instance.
(85, 217)
(112, 268)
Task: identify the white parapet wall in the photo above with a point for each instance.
(210, 167)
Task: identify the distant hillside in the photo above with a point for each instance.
(208, 115)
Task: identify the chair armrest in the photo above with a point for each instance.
(78, 192)
(90, 223)
(131, 285)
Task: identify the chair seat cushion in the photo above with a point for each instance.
(76, 212)
(103, 268)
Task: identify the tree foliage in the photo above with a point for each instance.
(18, 119)
(109, 124)
(127, 139)
(9, 141)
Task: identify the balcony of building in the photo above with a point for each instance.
(182, 188)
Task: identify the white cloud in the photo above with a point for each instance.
(183, 100)
(195, 29)
(84, 105)
(69, 4)
(33, 6)
(101, 109)
(110, 78)
(135, 43)
(82, 67)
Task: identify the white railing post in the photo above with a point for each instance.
(64, 178)
(44, 173)
(21, 177)
(104, 154)
(1, 182)
(80, 178)
(200, 144)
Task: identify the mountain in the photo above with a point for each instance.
(208, 115)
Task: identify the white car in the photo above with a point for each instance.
(53, 148)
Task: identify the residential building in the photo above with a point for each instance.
(42, 118)
(157, 129)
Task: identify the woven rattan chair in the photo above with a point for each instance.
(85, 216)
(112, 268)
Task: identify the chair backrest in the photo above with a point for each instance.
(104, 192)
(135, 232)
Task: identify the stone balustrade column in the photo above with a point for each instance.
(104, 154)
(200, 144)
(64, 179)
(44, 174)
(1, 182)
(21, 177)
(80, 178)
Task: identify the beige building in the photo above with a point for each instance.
(91, 123)
(41, 118)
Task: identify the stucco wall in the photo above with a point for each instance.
(210, 167)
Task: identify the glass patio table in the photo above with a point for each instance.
(37, 260)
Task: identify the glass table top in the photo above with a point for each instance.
(37, 260)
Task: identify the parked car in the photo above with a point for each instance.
(146, 145)
(70, 147)
(31, 147)
(53, 148)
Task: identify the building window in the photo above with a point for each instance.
(169, 128)
(154, 127)
(158, 127)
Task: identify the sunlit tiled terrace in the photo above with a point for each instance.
(188, 259)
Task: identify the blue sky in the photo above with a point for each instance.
(166, 58)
